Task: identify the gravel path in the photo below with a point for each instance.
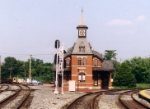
(108, 102)
(46, 99)
(5, 94)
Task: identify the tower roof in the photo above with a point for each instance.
(82, 21)
(81, 42)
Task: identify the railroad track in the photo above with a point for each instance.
(0, 86)
(83, 102)
(129, 102)
(18, 96)
(4, 87)
(108, 99)
(90, 100)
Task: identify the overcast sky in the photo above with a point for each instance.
(31, 27)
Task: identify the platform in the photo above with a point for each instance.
(145, 94)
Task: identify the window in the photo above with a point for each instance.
(81, 49)
(81, 77)
(84, 61)
(67, 62)
(95, 62)
(95, 79)
(79, 61)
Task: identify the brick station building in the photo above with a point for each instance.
(85, 66)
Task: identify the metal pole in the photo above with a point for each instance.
(56, 82)
(10, 71)
(0, 69)
(30, 75)
(24, 71)
(62, 72)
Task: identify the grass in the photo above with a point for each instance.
(142, 85)
(138, 85)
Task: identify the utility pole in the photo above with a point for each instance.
(24, 71)
(10, 68)
(30, 71)
(0, 70)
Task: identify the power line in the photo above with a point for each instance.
(25, 54)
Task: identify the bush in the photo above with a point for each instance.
(124, 77)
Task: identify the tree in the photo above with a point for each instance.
(40, 71)
(70, 49)
(110, 54)
(116, 66)
(10, 67)
(141, 69)
(20, 68)
(124, 77)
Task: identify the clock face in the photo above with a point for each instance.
(82, 32)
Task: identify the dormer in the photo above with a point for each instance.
(82, 47)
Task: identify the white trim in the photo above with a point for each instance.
(81, 56)
(81, 67)
(85, 73)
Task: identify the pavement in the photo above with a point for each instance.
(148, 92)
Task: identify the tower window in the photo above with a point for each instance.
(81, 49)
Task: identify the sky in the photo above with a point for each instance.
(30, 27)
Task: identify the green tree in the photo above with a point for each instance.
(141, 69)
(116, 66)
(70, 49)
(20, 68)
(110, 54)
(124, 77)
(40, 70)
(10, 67)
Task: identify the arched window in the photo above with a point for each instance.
(79, 61)
(81, 77)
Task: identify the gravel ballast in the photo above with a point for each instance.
(46, 99)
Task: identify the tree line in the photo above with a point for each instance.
(129, 72)
(126, 73)
(16, 68)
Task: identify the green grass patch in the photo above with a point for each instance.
(142, 85)
(121, 87)
(138, 85)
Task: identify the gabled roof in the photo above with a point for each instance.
(98, 55)
(107, 65)
(81, 41)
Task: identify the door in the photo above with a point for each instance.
(104, 78)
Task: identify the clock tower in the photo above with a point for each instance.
(82, 27)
